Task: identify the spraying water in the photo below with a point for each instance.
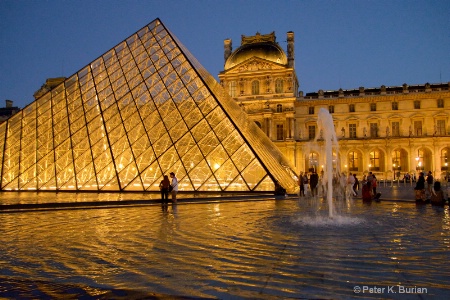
(326, 128)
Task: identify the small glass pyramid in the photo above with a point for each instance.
(143, 109)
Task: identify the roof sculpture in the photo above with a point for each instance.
(141, 110)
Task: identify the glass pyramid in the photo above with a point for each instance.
(143, 109)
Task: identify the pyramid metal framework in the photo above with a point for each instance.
(143, 109)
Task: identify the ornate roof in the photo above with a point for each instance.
(261, 46)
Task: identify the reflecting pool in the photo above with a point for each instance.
(251, 249)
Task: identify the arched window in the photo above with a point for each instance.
(279, 108)
(279, 85)
(255, 87)
(353, 161)
(396, 160)
(445, 158)
(313, 162)
(374, 160)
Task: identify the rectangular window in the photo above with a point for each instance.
(351, 108)
(255, 87)
(418, 128)
(394, 105)
(331, 109)
(395, 128)
(232, 91)
(352, 131)
(373, 130)
(280, 132)
(440, 103)
(311, 132)
(311, 110)
(417, 104)
(373, 106)
(279, 85)
(440, 127)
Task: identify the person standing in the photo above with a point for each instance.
(355, 185)
(313, 182)
(350, 184)
(305, 184)
(300, 183)
(374, 185)
(164, 187)
(430, 181)
(420, 188)
(174, 185)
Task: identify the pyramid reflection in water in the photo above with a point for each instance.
(143, 109)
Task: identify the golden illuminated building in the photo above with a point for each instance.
(141, 110)
(386, 130)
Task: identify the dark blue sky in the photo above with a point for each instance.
(343, 43)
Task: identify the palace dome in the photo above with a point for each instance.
(266, 50)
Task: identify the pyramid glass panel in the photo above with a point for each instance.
(141, 110)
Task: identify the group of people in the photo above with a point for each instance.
(344, 186)
(167, 186)
(312, 182)
(369, 187)
(428, 190)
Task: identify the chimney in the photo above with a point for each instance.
(9, 103)
(227, 49)
(290, 49)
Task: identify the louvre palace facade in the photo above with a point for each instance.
(389, 130)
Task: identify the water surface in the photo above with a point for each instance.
(255, 249)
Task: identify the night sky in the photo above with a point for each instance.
(338, 44)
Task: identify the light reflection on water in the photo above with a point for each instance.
(255, 249)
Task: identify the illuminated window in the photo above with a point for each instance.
(353, 161)
(374, 157)
(313, 161)
(396, 159)
(445, 159)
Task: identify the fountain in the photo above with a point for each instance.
(335, 217)
(326, 127)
